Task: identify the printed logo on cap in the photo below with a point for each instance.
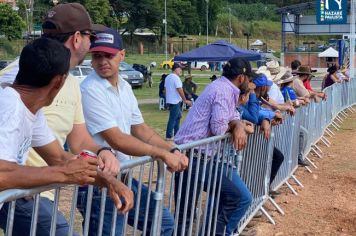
(51, 14)
(104, 38)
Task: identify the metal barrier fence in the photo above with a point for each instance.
(192, 198)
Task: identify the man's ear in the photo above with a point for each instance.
(122, 54)
(58, 81)
(76, 40)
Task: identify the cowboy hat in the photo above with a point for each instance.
(304, 70)
(276, 71)
(286, 78)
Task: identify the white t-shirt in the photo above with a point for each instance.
(171, 84)
(20, 129)
(276, 94)
(106, 107)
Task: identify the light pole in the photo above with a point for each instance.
(247, 35)
(182, 37)
(230, 31)
(165, 30)
(207, 22)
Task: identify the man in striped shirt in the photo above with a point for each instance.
(214, 113)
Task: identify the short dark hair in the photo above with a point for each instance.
(42, 60)
(295, 64)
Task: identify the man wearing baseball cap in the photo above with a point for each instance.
(114, 119)
(71, 25)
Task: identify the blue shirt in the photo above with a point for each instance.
(288, 94)
(253, 112)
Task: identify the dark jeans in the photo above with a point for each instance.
(175, 113)
(23, 216)
(167, 218)
(235, 198)
(277, 160)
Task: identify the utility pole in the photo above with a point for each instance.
(230, 31)
(207, 22)
(165, 30)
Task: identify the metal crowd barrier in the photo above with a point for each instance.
(196, 213)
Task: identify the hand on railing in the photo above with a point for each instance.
(266, 129)
(176, 161)
(80, 171)
(121, 195)
(108, 162)
(239, 136)
(249, 127)
(277, 119)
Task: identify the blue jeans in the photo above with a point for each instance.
(167, 218)
(235, 198)
(175, 113)
(23, 216)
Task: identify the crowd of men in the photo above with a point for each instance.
(43, 107)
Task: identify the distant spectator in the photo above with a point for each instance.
(161, 90)
(295, 65)
(331, 77)
(190, 88)
(174, 97)
(212, 66)
(305, 74)
(288, 92)
(341, 74)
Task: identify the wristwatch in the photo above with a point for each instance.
(105, 148)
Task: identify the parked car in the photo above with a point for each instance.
(128, 73)
(3, 64)
(168, 64)
(146, 72)
(256, 50)
(80, 72)
(301, 49)
(200, 65)
(270, 50)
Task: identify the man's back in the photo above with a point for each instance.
(171, 84)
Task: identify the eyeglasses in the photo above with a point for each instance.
(99, 56)
(92, 36)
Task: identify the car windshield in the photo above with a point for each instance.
(86, 70)
(125, 67)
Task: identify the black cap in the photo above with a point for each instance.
(237, 66)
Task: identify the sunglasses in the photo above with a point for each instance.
(92, 36)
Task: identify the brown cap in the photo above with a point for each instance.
(304, 70)
(68, 18)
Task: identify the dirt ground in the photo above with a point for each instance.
(327, 203)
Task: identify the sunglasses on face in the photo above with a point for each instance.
(92, 36)
(99, 56)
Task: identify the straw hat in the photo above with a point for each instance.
(287, 77)
(304, 70)
(276, 71)
(263, 70)
(188, 76)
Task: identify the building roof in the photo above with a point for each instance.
(330, 52)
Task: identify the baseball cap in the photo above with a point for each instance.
(261, 80)
(237, 66)
(108, 41)
(68, 18)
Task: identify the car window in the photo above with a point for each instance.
(75, 71)
(125, 67)
(86, 70)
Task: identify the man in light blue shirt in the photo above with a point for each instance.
(113, 117)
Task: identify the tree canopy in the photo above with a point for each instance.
(11, 24)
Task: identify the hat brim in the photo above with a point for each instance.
(290, 79)
(280, 74)
(98, 27)
(112, 51)
(269, 83)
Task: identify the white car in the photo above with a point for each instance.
(270, 50)
(80, 72)
(200, 65)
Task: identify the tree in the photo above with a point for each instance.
(11, 24)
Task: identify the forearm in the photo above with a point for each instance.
(181, 94)
(147, 135)
(16, 176)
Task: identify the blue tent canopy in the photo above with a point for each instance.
(217, 51)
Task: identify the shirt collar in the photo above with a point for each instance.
(107, 84)
(235, 90)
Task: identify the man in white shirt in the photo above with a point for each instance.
(43, 69)
(174, 97)
(113, 118)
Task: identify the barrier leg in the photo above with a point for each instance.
(344, 114)
(330, 133)
(312, 163)
(10, 218)
(308, 169)
(338, 118)
(315, 151)
(325, 141)
(291, 188)
(316, 146)
(351, 109)
(270, 219)
(333, 124)
(297, 181)
(279, 209)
